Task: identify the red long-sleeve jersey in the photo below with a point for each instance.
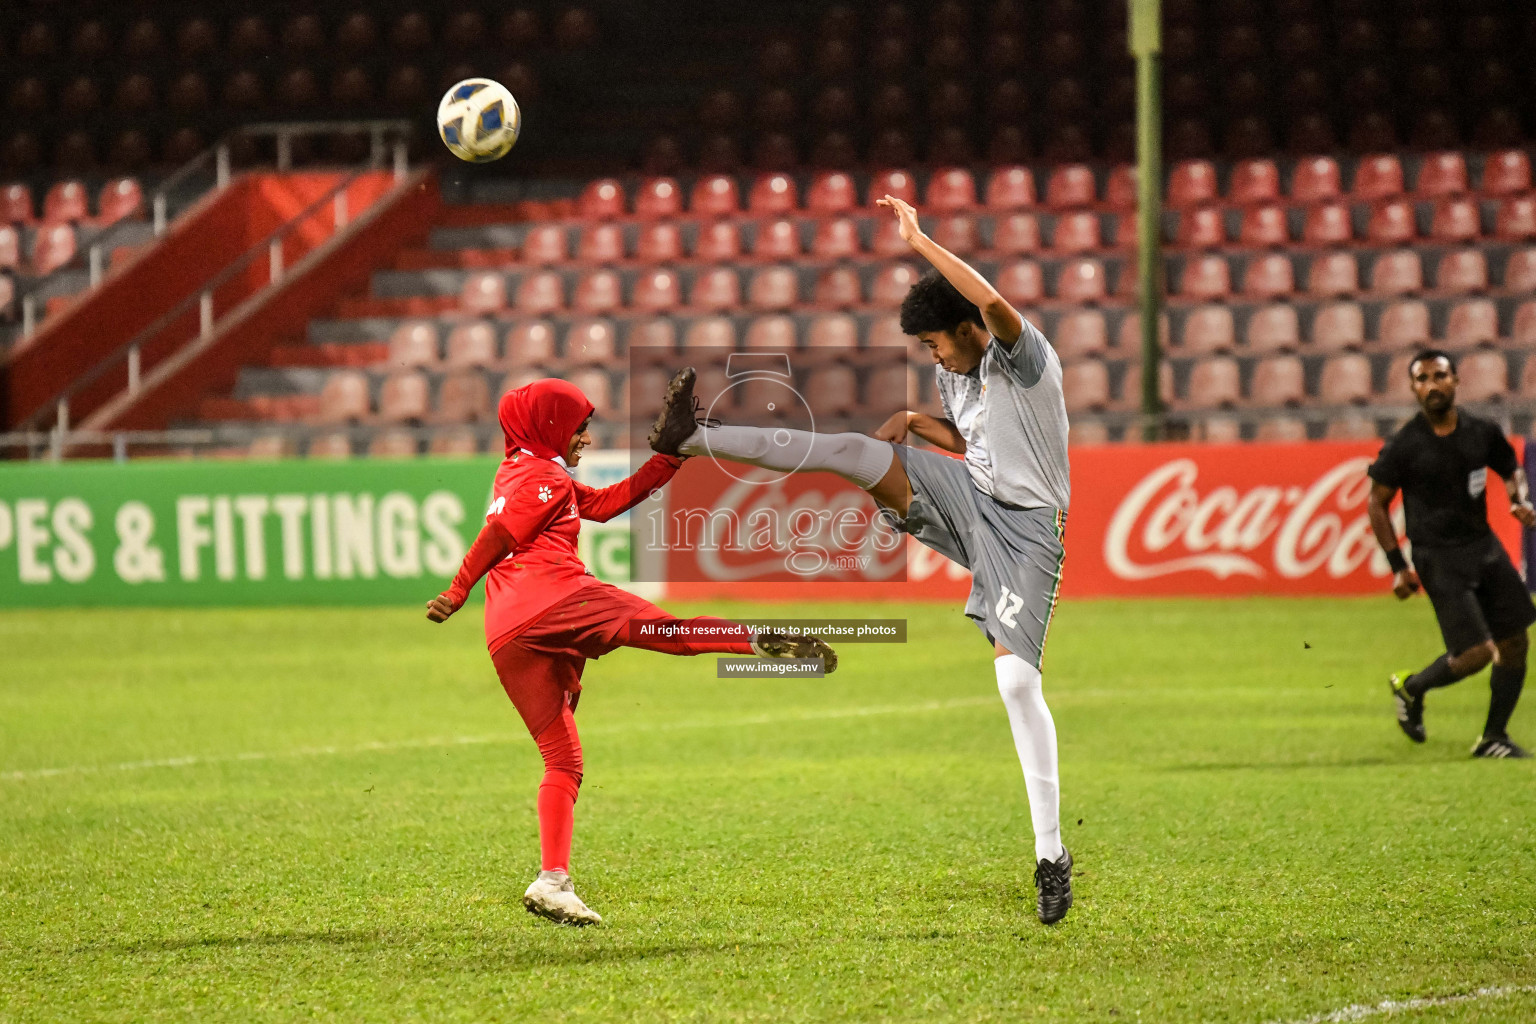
(528, 544)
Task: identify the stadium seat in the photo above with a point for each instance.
(1263, 226)
(1281, 429)
(1070, 187)
(833, 331)
(10, 248)
(708, 332)
(464, 397)
(777, 331)
(1130, 384)
(271, 446)
(1516, 219)
(1254, 181)
(1391, 223)
(52, 247)
(1087, 434)
(1208, 330)
(1528, 379)
(1338, 326)
(1191, 183)
(471, 344)
(894, 280)
(1520, 271)
(956, 232)
(602, 199)
(1455, 220)
(1524, 333)
(885, 333)
(1076, 232)
(530, 343)
(1010, 188)
(331, 445)
(413, 343)
(1085, 386)
(65, 202)
(776, 240)
(1316, 179)
(1081, 281)
(1377, 177)
(591, 342)
(1206, 277)
(835, 239)
(896, 183)
(544, 245)
(1471, 322)
(718, 241)
(519, 378)
(597, 292)
(1016, 233)
(1403, 324)
(715, 195)
(715, 289)
(119, 199)
(344, 398)
(1120, 188)
(832, 390)
(1441, 174)
(1278, 381)
(1506, 173)
(772, 195)
(1397, 273)
(1333, 273)
(887, 241)
(1327, 223)
(454, 441)
(1462, 271)
(1483, 376)
(657, 291)
(405, 397)
(951, 190)
(1346, 380)
(838, 288)
(483, 294)
(1214, 383)
(1081, 334)
(1217, 429)
(659, 199)
(601, 243)
(831, 192)
(1351, 427)
(16, 204)
(772, 289)
(1273, 328)
(597, 385)
(1201, 227)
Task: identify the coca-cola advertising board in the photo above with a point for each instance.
(1192, 519)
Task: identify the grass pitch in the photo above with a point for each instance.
(284, 815)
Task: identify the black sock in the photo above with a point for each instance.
(1436, 675)
(1505, 682)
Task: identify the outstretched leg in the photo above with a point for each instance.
(1408, 690)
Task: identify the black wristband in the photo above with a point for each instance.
(1396, 560)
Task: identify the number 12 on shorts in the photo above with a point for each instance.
(1008, 608)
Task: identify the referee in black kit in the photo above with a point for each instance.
(1440, 461)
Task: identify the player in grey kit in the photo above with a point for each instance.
(1001, 513)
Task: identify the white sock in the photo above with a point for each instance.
(1034, 734)
(854, 457)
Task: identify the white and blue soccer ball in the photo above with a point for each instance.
(479, 120)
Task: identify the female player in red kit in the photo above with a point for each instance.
(545, 614)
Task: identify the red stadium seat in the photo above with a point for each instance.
(530, 343)
(833, 331)
(772, 195)
(1462, 271)
(1397, 273)
(1483, 376)
(1070, 187)
(1471, 322)
(957, 232)
(1016, 233)
(65, 202)
(831, 192)
(1403, 324)
(1214, 383)
(471, 344)
(1191, 183)
(892, 282)
(413, 343)
(771, 332)
(1524, 334)
(597, 292)
(602, 243)
(1011, 188)
(1254, 181)
(657, 291)
(454, 441)
(591, 341)
(1076, 232)
(1081, 334)
(1338, 325)
(1377, 177)
(776, 240)
(659, 199)
(1316, 179)
(1507, 173)
(1391, 223)
(602, 199)
(597, 385)
(1333, 273)
(1274, 328)
(119, 199)
(773, 288)
(1455, 220)
(1208, 330)
(544, 245)
(888, 241)
(833, 390)
(1264, 226)
(1281, 429)
(1021, 282)
(344, 398)
(483, 293)
(1201, 228)
(896, 183)
(715, 195)
(1278, 381)
(1516, 219)
(835, 239)
(950, 190)
(1441, 174)
(1397, 390)
(16, 204)
(708, 332)
(662, 242)
(10, 250)
(464, 397)
(716, 289)
(1120, 190)
(1327, 223)
(1269, 277)
(1520, 271)
(1346, 380)
(405, 397)
(718, 240)
(1130, 384)
(1085, 386)
(1081, 281)
(540, 293)
(1206, 277)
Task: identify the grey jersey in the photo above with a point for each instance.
(1012, 415)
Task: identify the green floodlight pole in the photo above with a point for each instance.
(1146, 17)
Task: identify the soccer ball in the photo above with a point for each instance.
(479, 120)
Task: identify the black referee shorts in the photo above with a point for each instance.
(1477, 593)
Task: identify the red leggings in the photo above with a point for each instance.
(541, 668)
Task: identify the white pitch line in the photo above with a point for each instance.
(463, 741)
(1362, 1011)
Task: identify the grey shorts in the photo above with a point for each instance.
(1014, 554)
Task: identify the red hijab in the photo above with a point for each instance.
(542, 417)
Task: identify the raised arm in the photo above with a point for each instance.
(1001, 318)
(1404, 580)
(600, 504)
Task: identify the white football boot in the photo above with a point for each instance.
(553, 896)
